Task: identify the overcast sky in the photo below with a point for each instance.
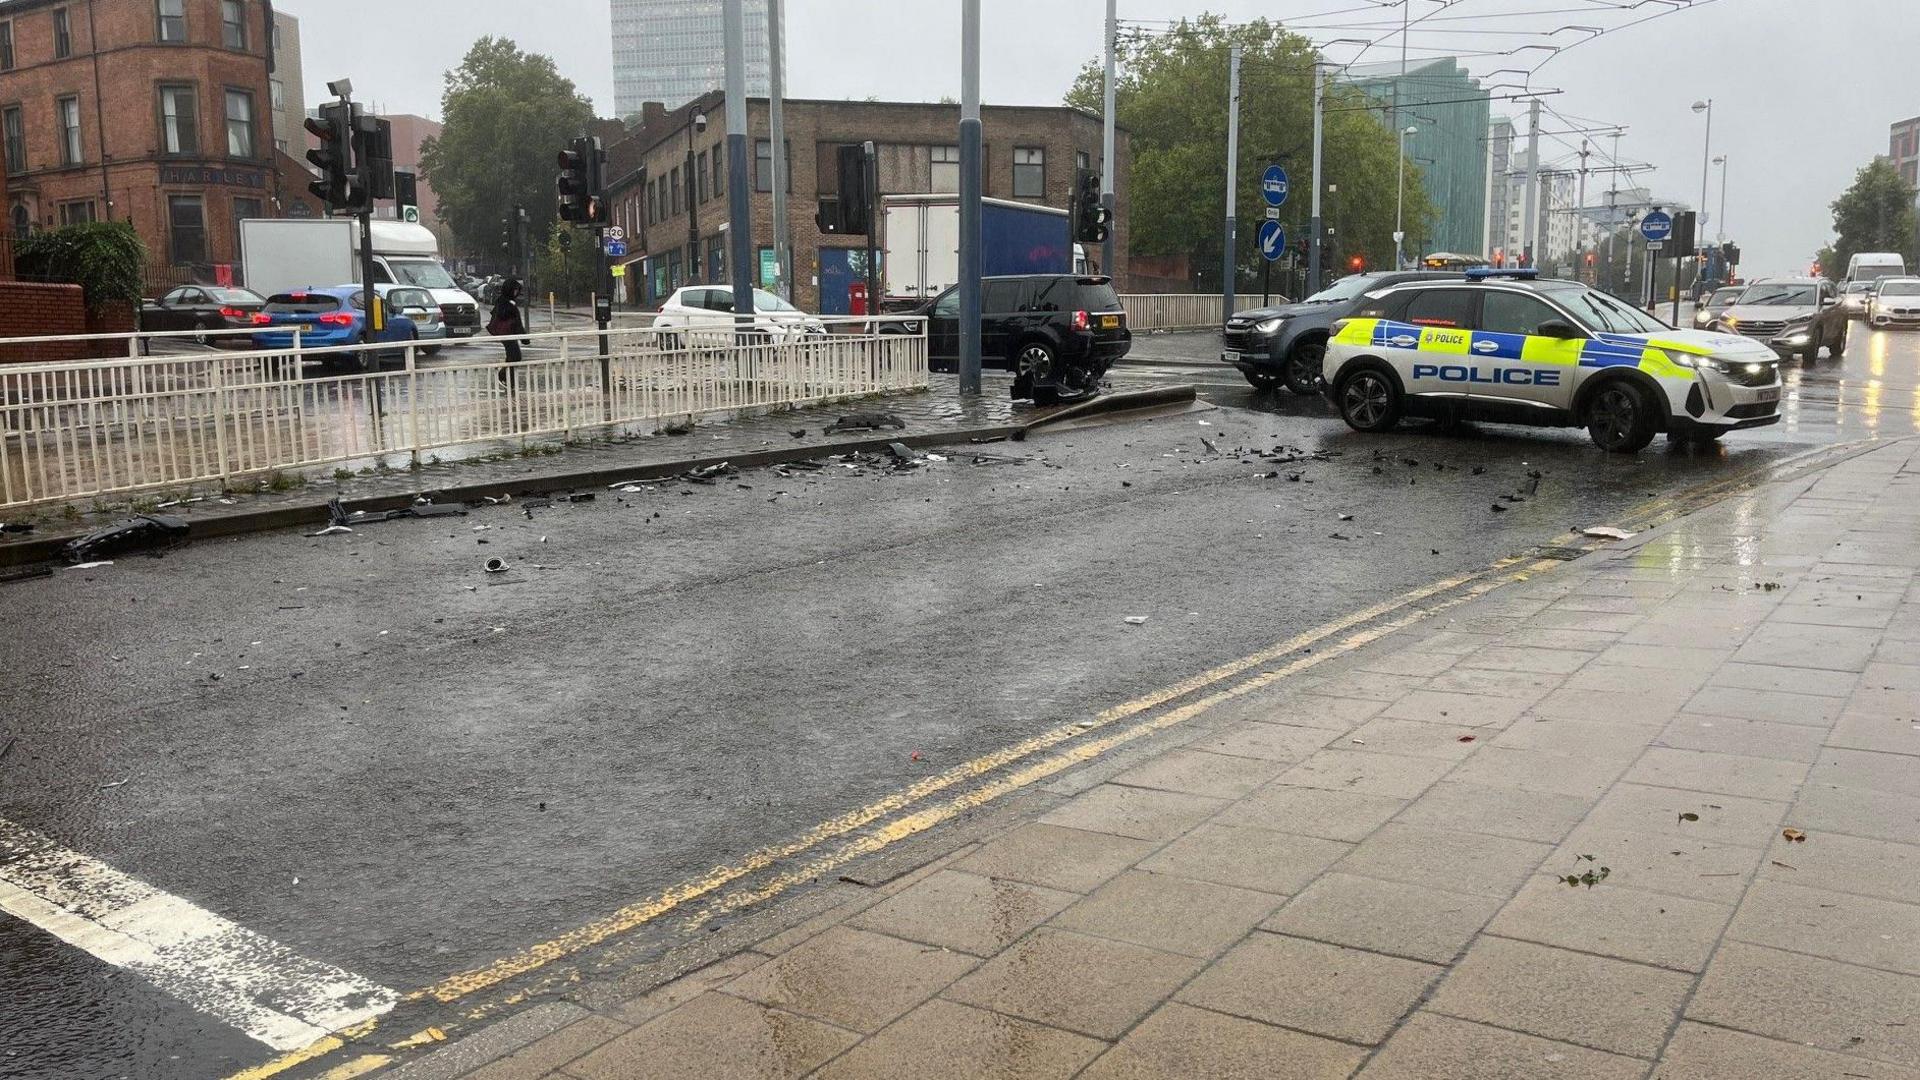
(1803, 89)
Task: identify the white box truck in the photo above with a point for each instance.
(922, 233)
(1873, 265)
(288, 254)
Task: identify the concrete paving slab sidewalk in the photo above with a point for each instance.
(1366, 876)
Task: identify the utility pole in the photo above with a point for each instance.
(1315, 226)
(1233, 156)
(1580, 217)
(739, 212)
(1107, 163)
(777, 124)
(1528, 222)
(969, 198)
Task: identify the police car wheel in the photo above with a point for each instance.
(1619, 420)
(1369, 401)
(1303, 367)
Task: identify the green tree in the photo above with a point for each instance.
(1875, 214)
(1171, 98)
(564, 265)
(506, 114)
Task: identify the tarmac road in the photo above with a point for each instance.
(366, 750)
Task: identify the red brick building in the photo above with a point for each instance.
(156, 112)
(1032, 155)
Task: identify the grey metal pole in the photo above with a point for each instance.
(777, 129)
(739, 212)
(1580, 220)
(1233, 179)
(1400, 202)
(1720, 226)
(1706, 165)
(1313, 241)
(1107, 162)
(1528, 224)
(970, 137)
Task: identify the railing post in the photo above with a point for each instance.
(413, 406)
(220, 423)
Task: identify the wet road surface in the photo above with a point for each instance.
(370, 752)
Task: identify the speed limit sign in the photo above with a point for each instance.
(615, 232)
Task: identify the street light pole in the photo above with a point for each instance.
(1315, 226)
(1706, 153)
(697, 126)
(1400, 203)
(1107, 163)
(969, 197)
(1720, 227)
(777, 131)
(1233, 161)
(739, 209)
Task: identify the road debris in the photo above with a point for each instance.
(114, 784)
(496, 566)
(1136, 620)
(330, 530)
(865, 421)
(1594, 874)
(1794, 836)
(1606, 532)
(148, 532)
(16, 527)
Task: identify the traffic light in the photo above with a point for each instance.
(1682, 237)
(373, 157)
(334, 130)
(1730, 251)
(1090, 224)
(1357, 263)
(1589, 258)
(406, 195)
(852, 212)
(582, 199)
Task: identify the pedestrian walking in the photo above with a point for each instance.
(507, 323)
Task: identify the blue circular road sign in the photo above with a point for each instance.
(1657, 225)
(1273, 185)
(1273, 240)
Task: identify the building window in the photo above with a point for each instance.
(700, 174)
(16, 138)
(68, 110)
(1029, 172)
(653, 213)
(763, 165)
(233, 24)
(6, 46)
(1082, 160)
(186, 229)
(719, 185)
(717, 257)
(673, 189)
(946, 168)
(239, 124)
(62, 35)
(277, 93)
(22, 220)
(242, 210)
(76, 213)
(173, 20)
(179, 132)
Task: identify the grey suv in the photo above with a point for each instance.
(1283, 346)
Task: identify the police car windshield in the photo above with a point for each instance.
(1602, 312)
(1345, 289)
(1785, 295)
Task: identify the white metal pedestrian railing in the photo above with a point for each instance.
(1172, 311)
(100, 427)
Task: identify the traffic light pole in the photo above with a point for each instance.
(739, 211)
(870, 170)
(1316, 228)
(367, 299)
(1107, 163)
(1227, 240)
(603, 316)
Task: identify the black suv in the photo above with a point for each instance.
(1058, 333)
(1284, 345)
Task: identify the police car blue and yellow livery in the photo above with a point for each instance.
(1547, 353)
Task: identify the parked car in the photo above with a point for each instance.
(1796, 316)
(201, 308)
(1715, 303)
(1284, 345)
(1854, 296)
(328, 317)
(1894, 302)
(703, 315)
(419, 306)
(1057, 333)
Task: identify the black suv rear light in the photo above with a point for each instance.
(1080, 320)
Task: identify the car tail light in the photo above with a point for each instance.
(337, 318)
(261, 318)
(1080, 320)
(232, 313)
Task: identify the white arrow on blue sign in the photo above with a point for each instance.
(1273, 185)
(1273, 240)
(1657, 225)
(616, 248)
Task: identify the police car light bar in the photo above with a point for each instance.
(1481, 273)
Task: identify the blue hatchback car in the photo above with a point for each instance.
(326, 317)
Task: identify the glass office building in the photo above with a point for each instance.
(672, 51)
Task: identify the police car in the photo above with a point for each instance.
(1507, 347)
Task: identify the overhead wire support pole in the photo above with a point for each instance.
(739, 209)
(777, 129)
(1316, 227)
(1233, 160)
(1107, 161)
(970, 143)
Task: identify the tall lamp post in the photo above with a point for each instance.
(698, 127)
(1720, 223)
(1400, 204)
(1706, 147)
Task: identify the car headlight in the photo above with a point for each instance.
(1730, 322)
(1267, 326)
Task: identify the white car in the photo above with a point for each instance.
(1895, 301)
(1546, 353)
(703, 315)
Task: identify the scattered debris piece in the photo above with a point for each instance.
(1689, 816)
(679, 427)
(902, 451)
(1466, 738)
(1498, 509)
(1606, 532)
(16, 527)
(1794, 836)
(496, 566)
(1136, 620)
(147, 532)
(1208, 443)
(1594, 874)
(1346, 517)
(330, 530)
(865, 421)
(580, 497)
(915, 756)
(800, 434)
(1783, 866)
(115, 784)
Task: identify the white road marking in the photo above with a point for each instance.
(249, 982)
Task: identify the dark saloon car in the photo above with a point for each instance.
(202, 308)
(1058, 333)
(1283, 346)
